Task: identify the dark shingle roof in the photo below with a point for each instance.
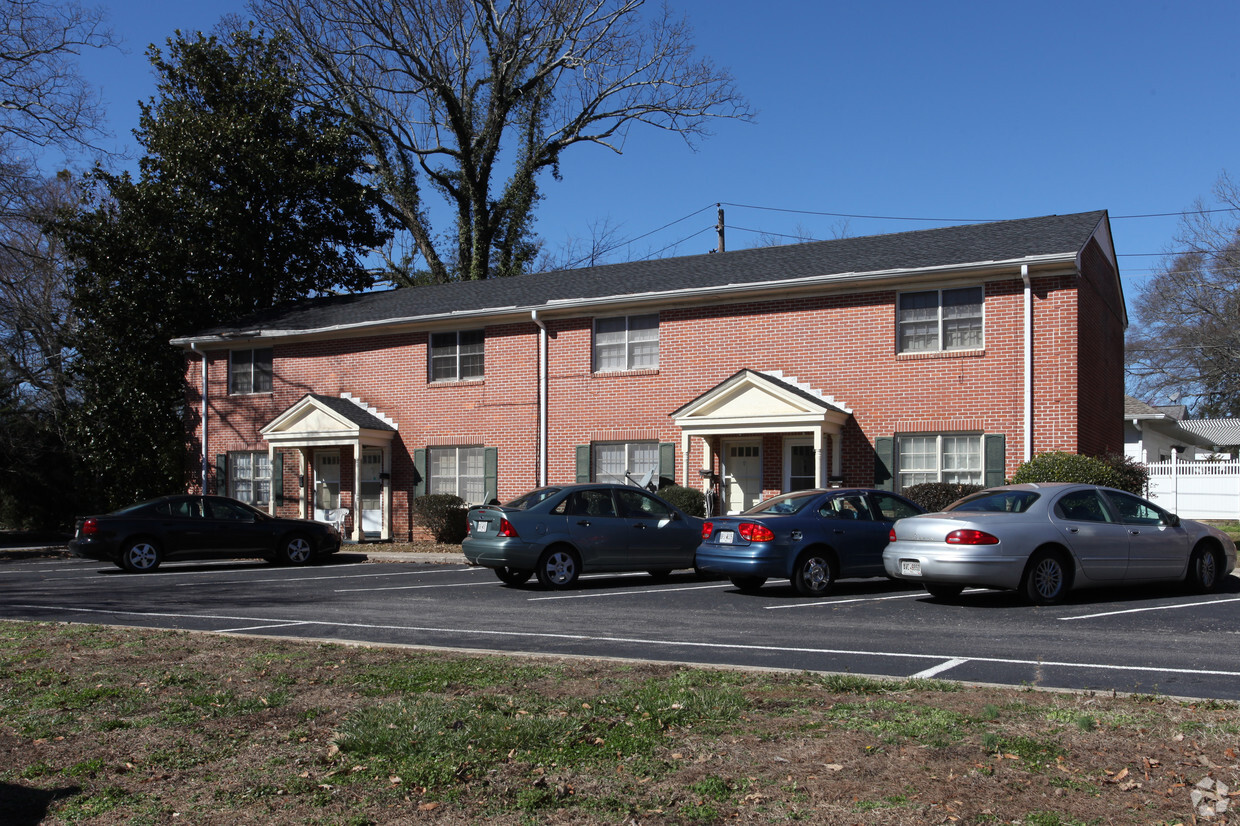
(945, 247)
(352, 411)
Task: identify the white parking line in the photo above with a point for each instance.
(259, 627)
(1153, 608)
(416, 587)
(645, 641)
(938, 669)
(630, 593)
(827, 603)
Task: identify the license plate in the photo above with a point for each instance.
(910, 567)
(726, 537)
(482, 525)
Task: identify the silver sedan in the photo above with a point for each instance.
(1044, 540)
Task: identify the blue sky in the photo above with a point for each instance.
(945, 110)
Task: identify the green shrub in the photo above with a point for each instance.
(442, 514)
(934, 496)
(689, 500)
(1113, 471)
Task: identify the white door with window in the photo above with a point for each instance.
(742, 475)
(326, 485)
(372, 493)
(798, 464)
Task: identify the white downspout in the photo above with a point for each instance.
(1024, 276)
(203, 357)
(542, 398)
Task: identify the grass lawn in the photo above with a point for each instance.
(125, 726)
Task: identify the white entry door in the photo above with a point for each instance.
(326, 485)
(372, 493)
(742, 475)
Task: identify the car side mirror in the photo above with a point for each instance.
(1171, 520)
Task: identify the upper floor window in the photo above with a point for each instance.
(626, 343)
(951, 458)
(457, 356)
(249, 371)
(936, 320)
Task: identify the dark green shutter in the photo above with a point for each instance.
(419, 472)
(277, 478)
(221, 474)
(884, 461)
(490, 464)
(583, 463)
(667, 463)
(996, 458)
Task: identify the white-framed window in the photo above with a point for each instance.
(611, 460)
(940, 457)
(937, 320)
(457, 356)
(626, 343)
(249, 477)
(249, 371)
(460, 471)
(798, 464)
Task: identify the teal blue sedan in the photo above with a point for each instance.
(557, 533)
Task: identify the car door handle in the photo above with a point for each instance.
(1074, 530)
(1135, 533)
(839, 531)
(641, 525)
(585, 523)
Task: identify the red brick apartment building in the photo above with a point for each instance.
(949, 354)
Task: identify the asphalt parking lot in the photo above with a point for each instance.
(1150, 640)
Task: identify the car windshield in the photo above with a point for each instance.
(788, 503)
(996, 501)
(529, 500)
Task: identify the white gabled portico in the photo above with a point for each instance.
(319, 423)
(751, 404)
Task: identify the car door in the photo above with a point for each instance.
(851, 529)
(658, 538)
(1091, 528)
(182, 526)
(598, 532)
(1156, 550)
(237, 530)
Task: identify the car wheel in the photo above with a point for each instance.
(1203, 570)
(294, 550)
(660, 573)
(815, 574)
(512, 576)
(558, 568)
(940, 591)
(748, 584)
(1046, 579)
(141, 556)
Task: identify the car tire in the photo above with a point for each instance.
(295, 549)
(815, 574)
(748, 584)
(558, 568)
(512, 576)
(141, 556)
(1046, 579)
(941, 591)
(1203, 570)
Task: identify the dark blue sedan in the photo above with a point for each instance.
(812, 537)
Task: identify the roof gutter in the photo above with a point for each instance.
(570, 306)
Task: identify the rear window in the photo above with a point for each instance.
(788, 503)
(996, 501)
(529, 500)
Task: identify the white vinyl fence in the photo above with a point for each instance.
(1198, 489)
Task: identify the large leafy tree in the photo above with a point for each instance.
(243, 199)
(470, 100)
(1186, 343)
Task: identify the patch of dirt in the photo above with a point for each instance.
(121, 726)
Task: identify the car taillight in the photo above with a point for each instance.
(90, 526)
(506, 528)
(971, 537)
(469, 526)
(707, 529)
(753, 532)
(891, 537)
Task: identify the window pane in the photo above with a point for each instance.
(472, 349)
(262, 371)
(609, 462)
(644, 355)
(240, 375)
(643, 458)
(962, 318)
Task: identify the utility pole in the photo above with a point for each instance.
(719, 228)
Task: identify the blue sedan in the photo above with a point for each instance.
(557, 533)
(812, 537)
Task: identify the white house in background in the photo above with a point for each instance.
(1152, 433)
(1223, 435)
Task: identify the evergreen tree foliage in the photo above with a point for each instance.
(243, 200)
